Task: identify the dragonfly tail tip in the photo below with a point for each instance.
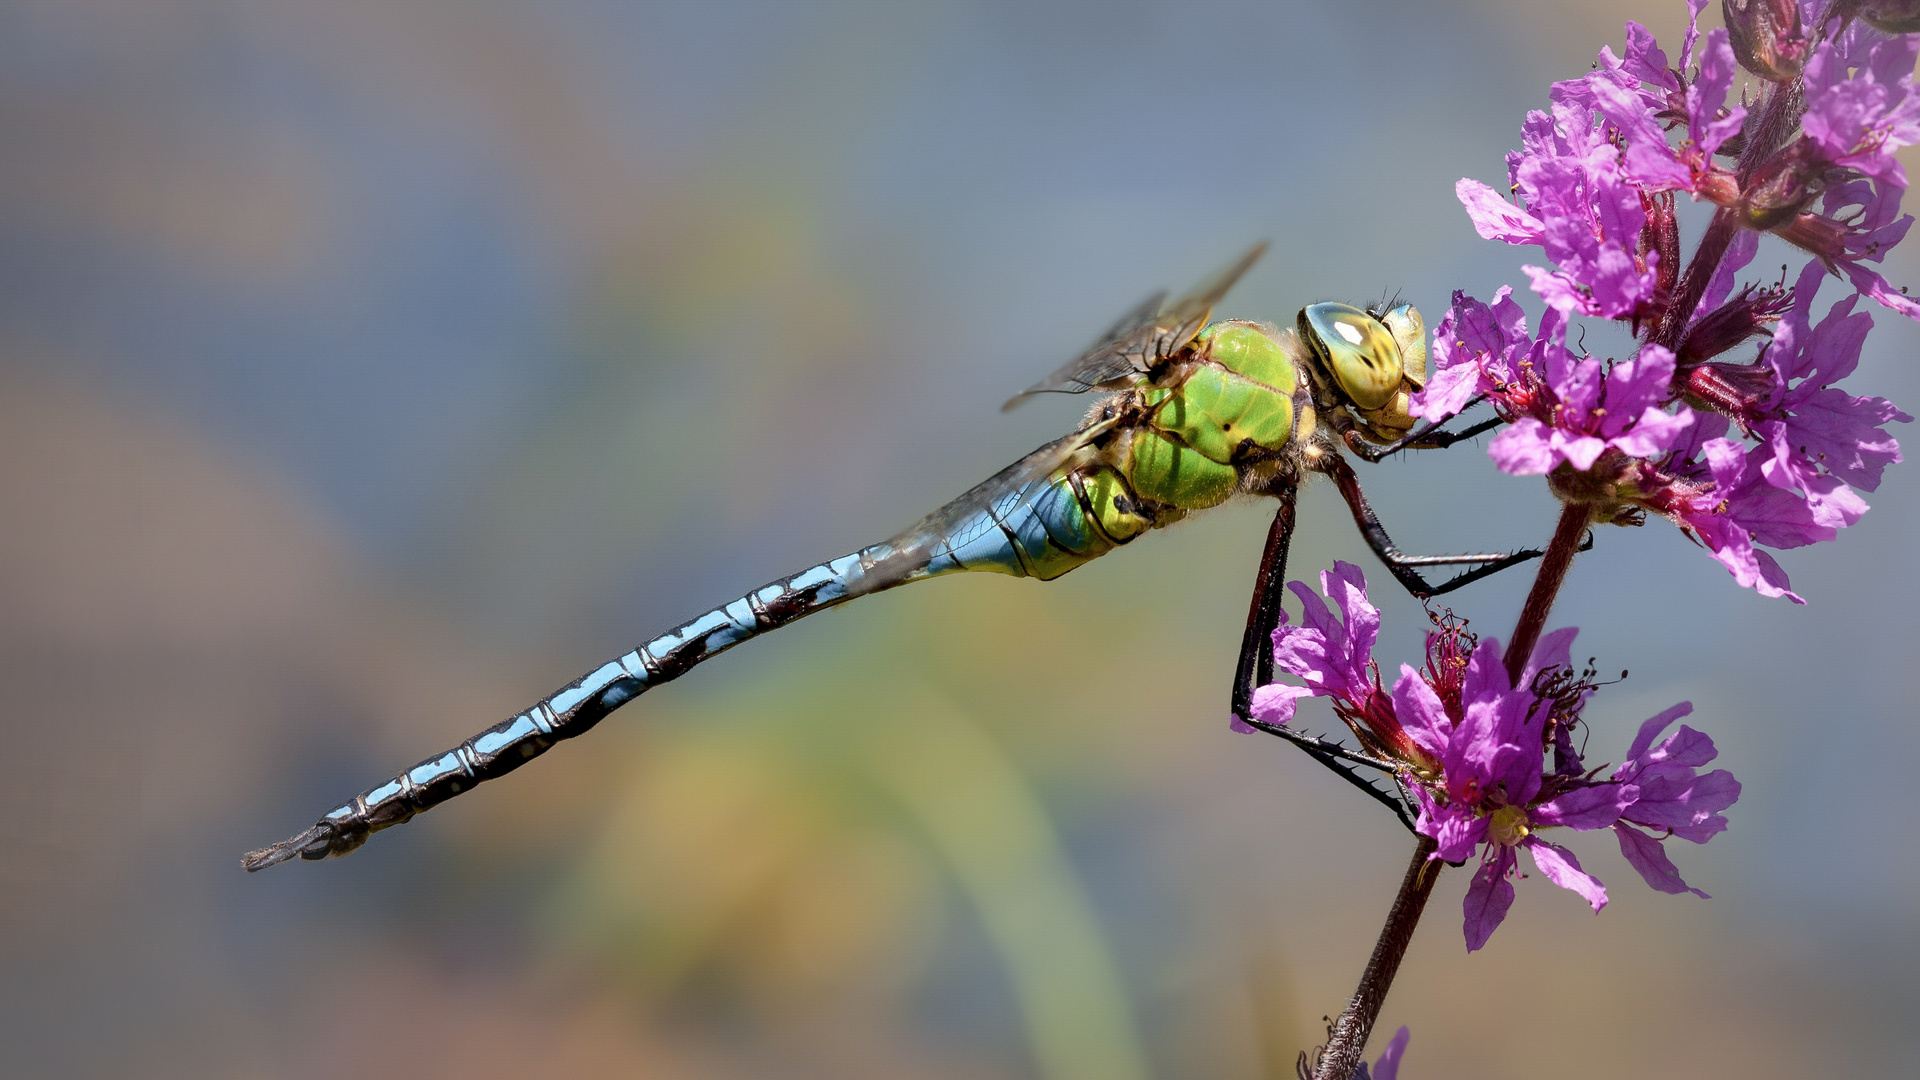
(286, 849)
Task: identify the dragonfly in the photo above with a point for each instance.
(1194, 413)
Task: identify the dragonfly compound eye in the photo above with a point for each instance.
(1358, 350)
(1410, 331)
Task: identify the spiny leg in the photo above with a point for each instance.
(1255, 666)
(1399, 564)
(1430, 437)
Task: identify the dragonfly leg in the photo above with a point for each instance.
(1430, 437)
(1404, 567)
(1255, 665)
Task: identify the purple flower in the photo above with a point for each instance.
(1819, 438)
(1857, 225)
(1595, 181)
(1616, 437)
(1474, 745)
(1633, 97)
(1333, 656)
(1860, 108)
(1579, 206)
(1477, 349)
(1816, 444)
(1858, 118)
(1490, 791)
(1671, 797)
(1734, 510)
(1561, 408)
(1332, 653)
(1582, 408)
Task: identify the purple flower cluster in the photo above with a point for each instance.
(1765, 451)
(1490, 762)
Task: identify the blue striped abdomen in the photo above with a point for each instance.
(1039, 528)
(572, 711)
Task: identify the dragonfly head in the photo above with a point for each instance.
(1372, 361)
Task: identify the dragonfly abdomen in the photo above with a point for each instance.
(1049, 526)
(571, 711)
(1040, 529)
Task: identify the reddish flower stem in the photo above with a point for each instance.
(1546, 585)
(1349, 1035)
(1693, 284)
(1772, 127)
(1779, 117)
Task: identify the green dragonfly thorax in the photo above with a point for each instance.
(1227, 407)
(1246, 398)
(1238, 410)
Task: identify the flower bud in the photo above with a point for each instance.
(1782, 186)
(1660, 238)
(1741, 392)
(1745, 316)
(1824, 237)
(1767, 37)
(1660, 244)
(1886, 16)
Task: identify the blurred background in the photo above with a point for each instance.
(370, 369)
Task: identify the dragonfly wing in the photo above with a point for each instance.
(1109, 358)
(950, 526)
(1142, 337)
(1186, 316)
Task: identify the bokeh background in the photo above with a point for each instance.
(370, 368)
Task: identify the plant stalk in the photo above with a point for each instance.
(1693, 284)
(1546, 585)
(1349, 1035)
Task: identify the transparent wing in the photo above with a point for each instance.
(1147, 334)
(1108, 359)
(919, 545)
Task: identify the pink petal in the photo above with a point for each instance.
(1447, 392)
(1346, 586)
(1554, 649)
(1494, 217)
(1488, 898)
(1420, 712)
(1560, 867)
(1649, 856)
(1455, 829)
(1709, 93)
(1585, 809)
(1684, 747)
(1274, 702)
(1560, 291)
(1740, 252)
(1581, 451)
(1388, 1067)
(1649, 731)
(1656, 432)
(1522, 448)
